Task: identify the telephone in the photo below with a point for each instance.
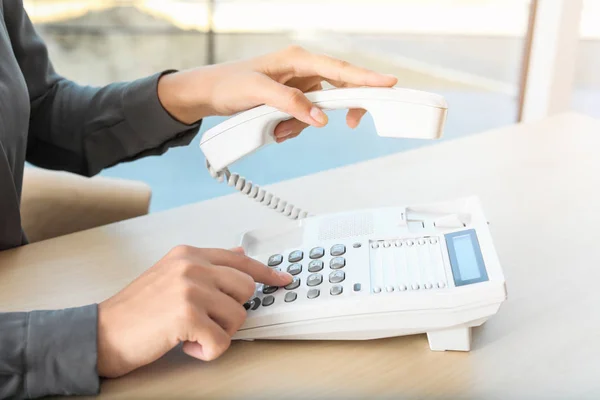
(369, 273)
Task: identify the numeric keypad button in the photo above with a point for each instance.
(336, 290)
(268, 300)
(269, 289)
(294, 284)
(290, 296)
(313, 293)
(315, 266)
(337, 277)
(337, 263)
(317, 252)
(294, 269)
(295, 256)
(337, 250)
(314, 280)
(275, 260)
(256, 303)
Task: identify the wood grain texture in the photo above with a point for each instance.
(540, 187)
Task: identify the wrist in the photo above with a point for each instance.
(186, 95)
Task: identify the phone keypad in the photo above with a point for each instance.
(318, 258)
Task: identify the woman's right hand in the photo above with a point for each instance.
(191, 295)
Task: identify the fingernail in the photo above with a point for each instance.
(318, 115)
(283, 134)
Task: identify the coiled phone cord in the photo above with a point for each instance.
(255, 192)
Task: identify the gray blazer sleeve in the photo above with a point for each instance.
(80, 129)
(84, 129)
(49, 353)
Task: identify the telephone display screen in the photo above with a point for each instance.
(465, 258)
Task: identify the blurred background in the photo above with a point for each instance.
(473, 52)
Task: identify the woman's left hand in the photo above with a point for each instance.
(278, 79)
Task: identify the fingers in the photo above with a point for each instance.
(235, 284)
(209, 339)
(289, 100)
(354, 116)
(226, 312)
(288, 129)
(308, 64)
(257, 270)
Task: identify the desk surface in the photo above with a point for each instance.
(539, 185)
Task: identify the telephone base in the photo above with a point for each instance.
(456, 339)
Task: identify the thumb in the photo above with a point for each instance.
(290, 100)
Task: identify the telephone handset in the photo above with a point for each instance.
(396, 112)
(365, 274)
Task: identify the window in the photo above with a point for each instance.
(470, 51)
(586, 91)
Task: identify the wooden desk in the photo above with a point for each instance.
(540, 188)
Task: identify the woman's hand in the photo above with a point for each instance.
(278, 79)
(191, 295)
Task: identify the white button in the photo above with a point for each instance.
(410, 242)
(402, 287)
(386, 244)
(377, 289)
(421, 241)
(428, 285)
(433, 240)
(441, 285)
(415, 286)
(398, 243)
(389, 288)
(374, 245)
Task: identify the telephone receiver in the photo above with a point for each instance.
(396, 112)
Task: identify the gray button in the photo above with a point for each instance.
(357, 287)
(255, 303)
(293, 284)
(313, 293)
(337, 263)
(335, 290)
(295, 256)
(356, 245)
(268, 300)
(315, 266)
(269, 289)
(337, 276)
(314, 280)
(290, 296)
(275, 260)
(317, 252)
(294, 269)
(252, 304)
(338, 250)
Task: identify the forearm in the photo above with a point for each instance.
(45, 353)
(83, 129)
(86, 129)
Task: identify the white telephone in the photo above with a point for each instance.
(370, 273)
